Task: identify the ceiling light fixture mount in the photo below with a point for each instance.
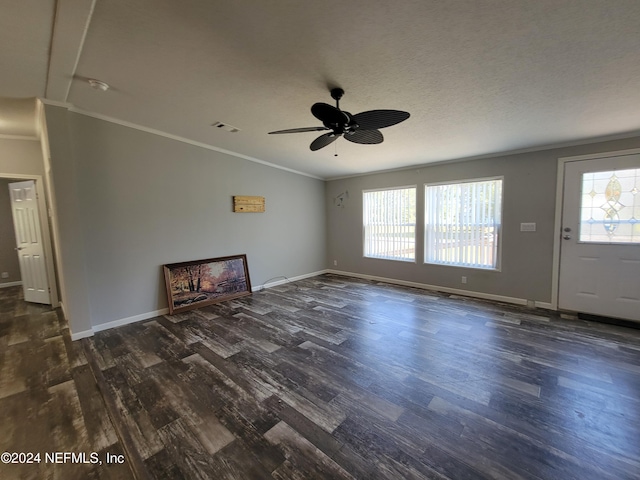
(98, 84)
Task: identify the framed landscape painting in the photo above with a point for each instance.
(203, 282)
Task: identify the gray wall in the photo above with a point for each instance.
(65, 202)
(144, 200)
(8, 258)
(529, 192)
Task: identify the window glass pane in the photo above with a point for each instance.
(389, 218)
(610, 207)
(462, 223)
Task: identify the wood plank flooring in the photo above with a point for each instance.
(334, 377)
(342, 378)
(49, 399)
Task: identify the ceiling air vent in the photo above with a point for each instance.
(225, 126)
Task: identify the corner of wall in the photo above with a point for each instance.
(61, 178)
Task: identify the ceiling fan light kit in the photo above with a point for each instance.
(362, 128)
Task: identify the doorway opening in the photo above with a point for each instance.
(36, 265)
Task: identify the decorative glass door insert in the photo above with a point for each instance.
(610, 207)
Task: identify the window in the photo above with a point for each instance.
(462, 223)
(389, 218)
(610, 207)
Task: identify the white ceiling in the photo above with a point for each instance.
(478, 76)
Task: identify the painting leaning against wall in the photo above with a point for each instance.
(198, 283)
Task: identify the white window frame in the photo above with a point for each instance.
(364, 226)
(499, 229)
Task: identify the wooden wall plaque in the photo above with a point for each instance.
(247, 204)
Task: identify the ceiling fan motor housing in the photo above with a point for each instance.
(337, 93)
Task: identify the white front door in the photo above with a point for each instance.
(26, 220)
(600, 246)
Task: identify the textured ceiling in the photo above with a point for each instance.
(478, 76)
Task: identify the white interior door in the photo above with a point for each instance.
(26, 220)
(600, 247)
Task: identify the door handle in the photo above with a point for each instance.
(18, 248)
(567, 237)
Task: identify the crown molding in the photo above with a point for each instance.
(28, 138)
(153, 131)
(55, 103)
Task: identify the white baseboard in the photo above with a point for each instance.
(545, 305)
(125, 321)
(287, 280)
(82, 334)
(145, 316)
(118, 323)
(437, 288)
(10, 284)
(468, 293)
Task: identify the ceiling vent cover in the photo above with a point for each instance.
(226, 127)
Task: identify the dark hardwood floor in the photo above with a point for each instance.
(333, 377)
(49, 399)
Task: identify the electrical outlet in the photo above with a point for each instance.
(5, 274)
(464, 279)
(335, 263)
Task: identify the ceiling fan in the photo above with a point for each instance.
(361, 128)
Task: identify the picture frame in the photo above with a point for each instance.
(198, 283)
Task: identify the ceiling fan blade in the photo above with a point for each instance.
(329, 114)
(298, 130)
(323, 141)
(374, 119)
(365, 137)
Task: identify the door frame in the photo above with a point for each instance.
(557, 229)
(44, 227)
